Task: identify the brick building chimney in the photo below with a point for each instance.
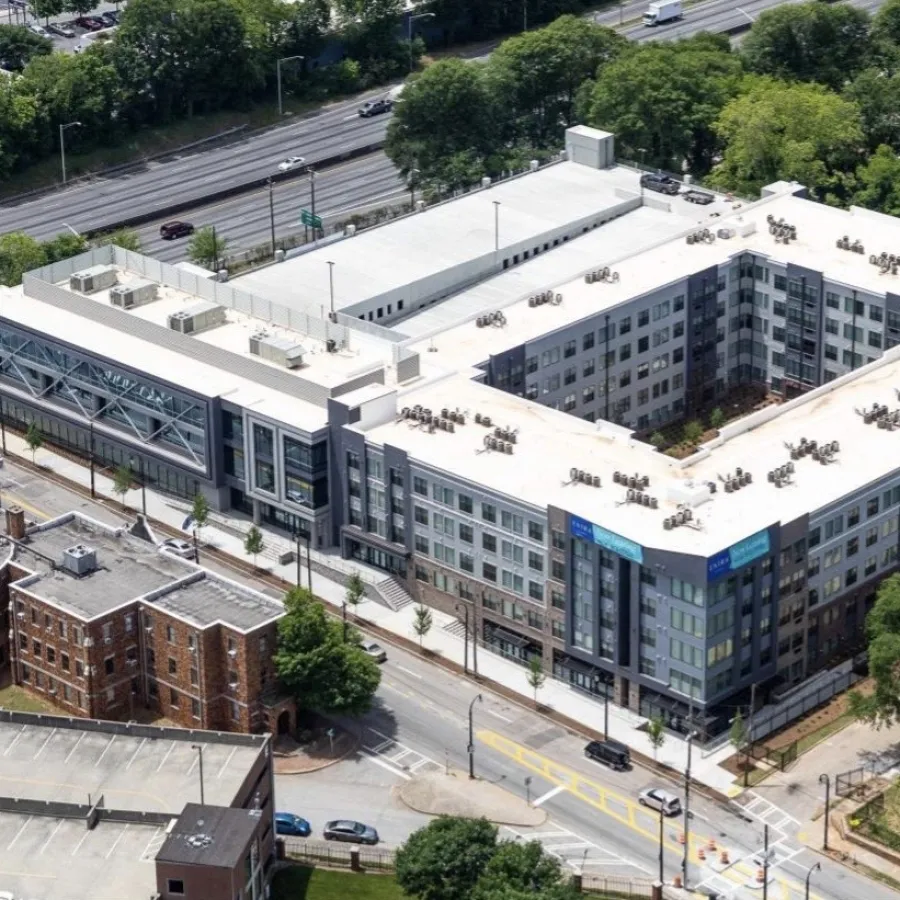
(15, 523)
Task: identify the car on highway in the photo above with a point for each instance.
(181, 548)
(288, 823)
(660, 800)
(90, 23)
(171, 230)
(348, 830)
(375, 650)
(663, 184)
(292, 162)
(611, 753)
(37, 29)
(61, 29)
(375, 107)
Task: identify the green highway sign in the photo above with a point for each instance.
(308, 219)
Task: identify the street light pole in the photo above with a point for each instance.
(465, 609)
(312, 195)
(62, 145)
(661, 844)
(826, 780)
(471, 747)
(278, 78)
(299, 557)
(272, 211)
(765, 886)
(605, 712)
(409, 22)
(687, 811)
(199, 749)
(331, 285)
(91, 431)
(815, 867)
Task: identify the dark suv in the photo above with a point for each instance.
(172, 230)
(375, 107)
(661, 183)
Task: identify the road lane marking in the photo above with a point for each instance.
(497, 715)
(380, 762)
(549, 795)
(409, 672)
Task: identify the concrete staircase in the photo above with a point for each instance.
(394, 593)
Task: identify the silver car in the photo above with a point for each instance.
(660, 800)
(348, 830)
(181, 548)
(376, 651)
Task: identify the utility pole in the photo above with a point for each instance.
(312, 197)
(272, 211)
(62, 145)
(826, 780)
(687, 808)
(91, 430)
(662, 844)
(471, 748)
(765, 890)
(465, 609)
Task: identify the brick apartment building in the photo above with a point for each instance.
(101, 623)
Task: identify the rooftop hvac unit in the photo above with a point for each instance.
(596, 481)
(79, 560)
(573, 474)
(199, 317)
(725, 233)
(486, 421)
(508, 448)
(282, 351)
(97, 278)
(667, 523)
(134, 293)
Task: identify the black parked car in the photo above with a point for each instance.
(613, 754)
(663, 184)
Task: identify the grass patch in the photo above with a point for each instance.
(19, 700)
(307, 883)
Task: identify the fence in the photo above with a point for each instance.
(339, 855)
(616, 886)
(846, 784)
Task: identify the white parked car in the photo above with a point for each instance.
(38, 29)
(292, 162)
(184, 549)
(661, 801)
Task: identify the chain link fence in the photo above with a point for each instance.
(339, 856)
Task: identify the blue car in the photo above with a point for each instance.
(288, 823)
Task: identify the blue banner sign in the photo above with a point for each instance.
(738, 555)
(609, 540)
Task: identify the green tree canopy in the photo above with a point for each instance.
(661, 99)
(63, 246)
(323, 672)
(18, 45)
(814, 41)
(800, 132)
(126, 238)
(882, 706)
(877, 94)
(207, 247)
(445, 859)
(522, 872)
(878, 182)
(19, 253)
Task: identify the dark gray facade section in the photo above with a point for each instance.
(398, 460)
(803, 329)
(506, 371)
(702, 322)
(338, 417)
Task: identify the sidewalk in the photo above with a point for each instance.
(225, 533)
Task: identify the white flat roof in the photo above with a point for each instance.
(415, 247)
(550, 443)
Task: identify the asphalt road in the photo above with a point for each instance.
(327, 132)
(244, 220)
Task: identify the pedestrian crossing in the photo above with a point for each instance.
(767, 813)
(398, 756)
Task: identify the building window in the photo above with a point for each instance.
(420, 486)
(173, 697)
(170, 634)
(489, 571)
(489, 513)
(195, 712)
(109, 665)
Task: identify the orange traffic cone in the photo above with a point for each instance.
(760, 876)
(676, 881)
(723, 858)
(711, 846)
(701, 853)
(681, 838)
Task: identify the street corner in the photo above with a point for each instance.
(734, 791)
(323, 750)
(454, 794)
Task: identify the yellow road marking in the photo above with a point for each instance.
(27, 506)
(600, 797)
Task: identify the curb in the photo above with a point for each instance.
(511, 823)
(352, 749)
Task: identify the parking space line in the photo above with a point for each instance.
(14, 740)
(134, 755)
(44, 745)
(9, 846)
(115, 844)
(163, 761)
(80, 738)
(225, 764)
(77, 847)
(194, 762)
(46, 843)
(100, 758)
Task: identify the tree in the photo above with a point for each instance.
(356, 590)
(43, 9)
(656, 734)
(886, 31)
(881, 708)
(200, 512)
(693, 431)
(18, 45)
(63, 246)
(207, 248)
(445, 859)
(814, 41)
(123, 479)
(801, 132)
(422, 621)
(253, 543)
(323, 672)
(717, 418)
(35, 440)
(19, 253)
(126, 238)
(535, 676)
(877, 94)
(657, 440)
(878, 182)
(519, 871)
(661, 100)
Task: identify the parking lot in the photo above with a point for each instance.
(147, 774)
(43, 858)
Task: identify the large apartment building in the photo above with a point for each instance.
(103, 623)
(462, 398)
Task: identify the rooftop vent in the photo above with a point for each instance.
(199, 841)
(199, 317)
(496, 318)
(701, 237)
(855, 246)
(97, 278)
(282, 351)
(886, 262)
(545, 297)
(782, 231)
(79, 560)
(579, 476)
(603, 274)
(637, 480)
(135, 293)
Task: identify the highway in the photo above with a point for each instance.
(419, 723)
(143, 189)
(244, 219)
